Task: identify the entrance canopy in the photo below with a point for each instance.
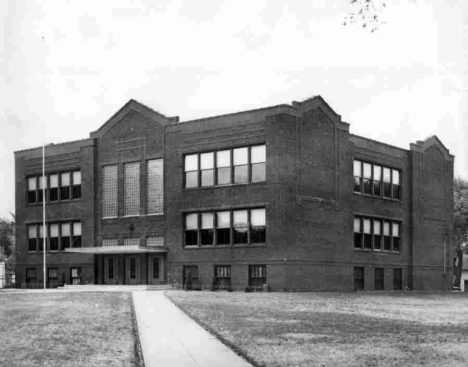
(116, 250)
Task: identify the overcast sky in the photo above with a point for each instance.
(67, 66)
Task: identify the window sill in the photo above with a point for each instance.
(377, 197)
(224, 246)
(220, 186)
(378, 251)
(54, 202)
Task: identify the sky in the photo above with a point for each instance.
(67, 66)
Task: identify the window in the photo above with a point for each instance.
(373, 233)
(240, 226)
(40, 192)
(189, 271)
(373, 179)
(110, 268)
(40, 241)
(110, 242)
(109, 191)
(379, 279)
(224, 167)
(32, 188)
(76, 237)
(132, 189)
(207, 229)
(66, 233)
(191, 230)
(258, 160)
(222, 272)
(75, 275)
(241, 165)
(54, 189)
(223, 228)
(156, 267)
(65, 186)
(258, 226)
(52, 273)
(358, 278)
(132, 268)
(257, 275)
(54, 237)
(155, 187)
(32, 237)
(207, 169)
(397, 280)
(132, 241)
(30, 275)
(76, 187)
(155, 241)
(191, 170)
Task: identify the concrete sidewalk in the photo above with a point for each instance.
(169, 338)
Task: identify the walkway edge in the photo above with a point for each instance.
(218, 336)
(138, 351)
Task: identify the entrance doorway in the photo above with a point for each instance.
(133, 270)
(111, 270)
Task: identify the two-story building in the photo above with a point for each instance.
(282, 195)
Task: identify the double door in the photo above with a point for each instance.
(133, 269)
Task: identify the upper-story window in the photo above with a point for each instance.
(132, 189)
(376, 180)
(377, 234)
(155, 187)
(58, 187)
(109, 191)
(61, 235)
(225, 227)
(225, 167)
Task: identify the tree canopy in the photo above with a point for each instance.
(460, 197)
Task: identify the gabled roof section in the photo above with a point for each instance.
(422, 145)
(318, 102)
(133, 105)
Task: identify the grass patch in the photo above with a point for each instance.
(67, 329)
(336, 329)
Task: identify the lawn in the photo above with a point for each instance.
(336, 329)
(66, 329)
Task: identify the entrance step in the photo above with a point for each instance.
(103, 288)
(158, 287)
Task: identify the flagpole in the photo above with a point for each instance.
(44, 229)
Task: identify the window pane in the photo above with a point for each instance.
(224, 176)
(223, 219)
(258, 172)
(41, 231)
(77, 178)
(240, 156)
(65, 229)
(41, 180)
(65, 178)
(240, 235)
(110, 242)
(191, 179)
(258, 154)
(155, 186)
(207, 177)
(131, 241)
(395, 230)
(109, 191)
(77, 229)
(357, 225)
(54, 230)
(32, 183)
(386, 228)
(223, 158)
(53, 181)
(207, 220)
(396, 177)
(191, 221)
(191, 162)
(376, 226)
(132, 188)
(32, 231)
(257, 217)
(207, 160)
(367, 170)
(240, 218)
(241, 174)
(367, 226)
(377, 173)
(386, 175)
(357, 168)
(156, 241)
